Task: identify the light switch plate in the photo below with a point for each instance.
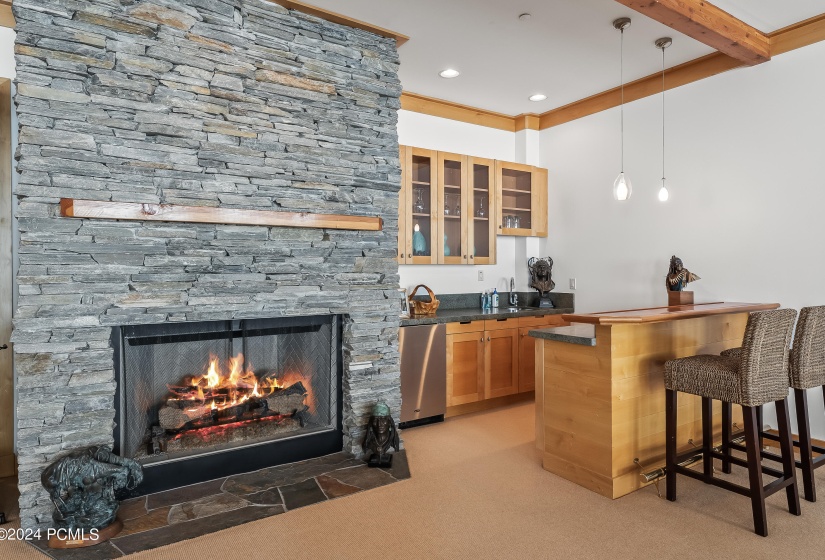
(481, 276)
(572, 283)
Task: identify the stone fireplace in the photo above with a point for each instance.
(214, 103)
(202, 400)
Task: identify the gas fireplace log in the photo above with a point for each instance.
(178, 414)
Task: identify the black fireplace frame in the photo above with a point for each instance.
(158, 477)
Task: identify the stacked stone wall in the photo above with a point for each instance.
(218, 103)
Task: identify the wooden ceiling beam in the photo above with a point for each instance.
(709, 25)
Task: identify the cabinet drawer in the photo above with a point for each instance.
(542, 321)
(463, 327)
(498, 324)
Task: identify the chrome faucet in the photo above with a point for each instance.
(513, 294)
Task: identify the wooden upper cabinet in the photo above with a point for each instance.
(451, 207)
(420, 206)
(481, 211)
(521, 199)
(452, 204)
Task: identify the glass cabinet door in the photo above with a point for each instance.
(452, 202)
(515, 216)
(422, 202)
(481, 211)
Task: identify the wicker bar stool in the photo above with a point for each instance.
(759, 376)
(807, 371)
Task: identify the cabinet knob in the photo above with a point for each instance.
(471, 256)
(482, 339)
(4, 347)
(488, 339)
(409, 255)
(465, 257)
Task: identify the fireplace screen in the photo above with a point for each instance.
(200, 388)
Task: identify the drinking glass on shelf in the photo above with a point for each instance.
(447, 210)
(457, 201)
(418, 207)
(480, 211)
(508, 221)
(516, 221)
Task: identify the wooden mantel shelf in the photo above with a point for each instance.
(74, 208)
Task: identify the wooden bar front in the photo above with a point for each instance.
(603, 406)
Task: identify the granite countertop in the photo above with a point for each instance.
(476, 314)
(577, 333)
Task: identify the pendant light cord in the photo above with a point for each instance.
(621, 81)
(663, 116)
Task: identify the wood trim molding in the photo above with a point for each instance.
(343, 20)
(528, 121)
(6, 15)
(798, 35)
(74, 208)
(691, 71)
(783, 40)
(457, 112)
(710, 25)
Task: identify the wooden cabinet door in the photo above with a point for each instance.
(481, 211)
(465, 368)
(527, 348)
(539, 202)
(501, 359)
(421, 206)
(514, 198)
(402, 208)
(526, 360)
(451, 215)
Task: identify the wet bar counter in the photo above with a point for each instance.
(600, 389)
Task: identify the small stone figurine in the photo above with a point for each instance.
(541, 271)
(678, 277)
(82, 487)
(381, 435)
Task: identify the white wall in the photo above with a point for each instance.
(425, 131)
(746, 169)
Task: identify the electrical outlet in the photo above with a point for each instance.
(572, 283)
(481, 276)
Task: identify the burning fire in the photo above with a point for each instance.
(220, 390)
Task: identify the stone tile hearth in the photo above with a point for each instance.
(185, 513)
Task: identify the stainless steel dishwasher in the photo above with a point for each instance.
(423, 374)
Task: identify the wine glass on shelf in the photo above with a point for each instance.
(457, 201)
(447, 210)
(480, 211)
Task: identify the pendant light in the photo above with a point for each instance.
(662, 44)
(622, 188)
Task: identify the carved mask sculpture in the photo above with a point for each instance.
(541, 271)
(381, 436)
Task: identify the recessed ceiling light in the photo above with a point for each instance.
(538, 97)
(449, 73)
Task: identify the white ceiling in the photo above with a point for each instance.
(567, 50)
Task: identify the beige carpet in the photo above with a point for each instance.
(478, 491)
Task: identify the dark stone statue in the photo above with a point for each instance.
(82, 486)
(678, 277)
(541, 271)
(381, 435)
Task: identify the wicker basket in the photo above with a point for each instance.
(418, 307)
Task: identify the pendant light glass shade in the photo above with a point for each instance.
(622, 187)
(663, 193)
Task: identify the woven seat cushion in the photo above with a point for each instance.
(735, 353)
(715, 377)
(808, 353)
